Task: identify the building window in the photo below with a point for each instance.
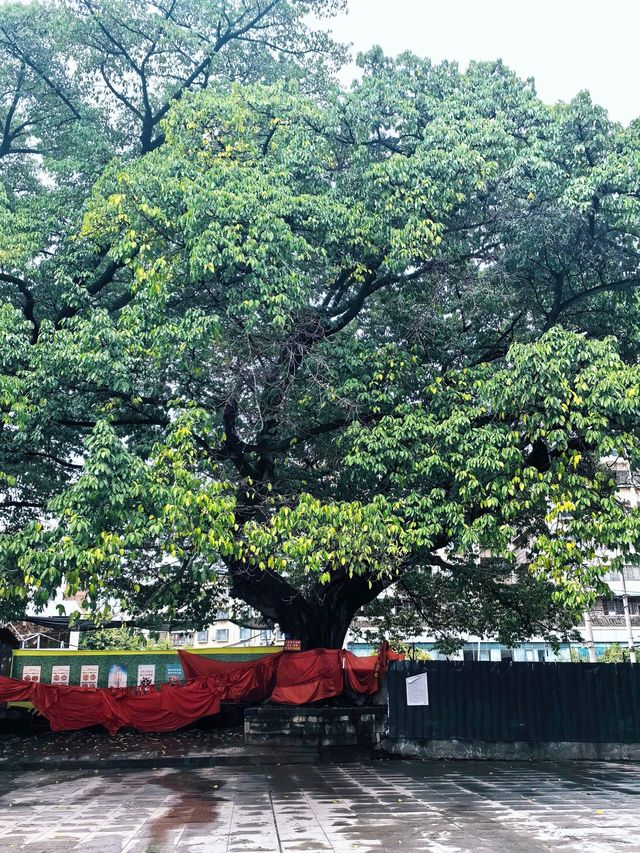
(222, 635)
(613, 607)
(181, 639)
(203, 636)
(245, 633)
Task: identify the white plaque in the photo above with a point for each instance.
(31, 673)
(147, 672)
(89, 675)
(60, 675)
(417, 689)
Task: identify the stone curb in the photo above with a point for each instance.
(132, 762)
(238, 759)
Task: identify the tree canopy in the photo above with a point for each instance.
(303, 345)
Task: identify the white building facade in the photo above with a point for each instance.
(224, 633)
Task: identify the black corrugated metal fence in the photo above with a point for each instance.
(506, 701)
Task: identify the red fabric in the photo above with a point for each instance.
(70, 708)
(304, 677)
(362, 674)
(197, 666)
(391, 655)
(248, 681)
(291, 678)
(168, 709)
(12, 690)
(365, 674)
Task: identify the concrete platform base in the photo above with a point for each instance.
(322, 728)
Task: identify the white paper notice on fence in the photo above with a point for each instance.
(417, 689)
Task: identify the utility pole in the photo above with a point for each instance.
(627, 618)
(588, 629)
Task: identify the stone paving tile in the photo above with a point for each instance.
(438, 807)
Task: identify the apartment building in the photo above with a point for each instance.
(223, 632)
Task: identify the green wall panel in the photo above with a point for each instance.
(128, 660)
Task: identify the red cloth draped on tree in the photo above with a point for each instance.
(364, 675)
(304, 677)
(249, 681)
(294, 678)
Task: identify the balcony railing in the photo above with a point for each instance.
(600, 620)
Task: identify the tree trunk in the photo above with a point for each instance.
(322, 628)
(320, 617)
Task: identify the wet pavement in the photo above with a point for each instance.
(442, 807)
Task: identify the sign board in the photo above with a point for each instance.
(174, 673)
(292, 645)
(117, 676)
(417, 689)
(146, 673)
(89, 675)
(31, 673)
(60, 675)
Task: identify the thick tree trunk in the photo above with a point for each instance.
(320, 617)
(322, 628)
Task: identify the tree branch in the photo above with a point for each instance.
(28, 306)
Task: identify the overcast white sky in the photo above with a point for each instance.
(566, 45)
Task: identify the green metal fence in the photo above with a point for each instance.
(507, 701)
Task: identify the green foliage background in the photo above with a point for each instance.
(121, 638)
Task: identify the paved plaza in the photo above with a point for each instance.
(379, 806)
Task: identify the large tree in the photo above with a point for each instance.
(314, 345)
